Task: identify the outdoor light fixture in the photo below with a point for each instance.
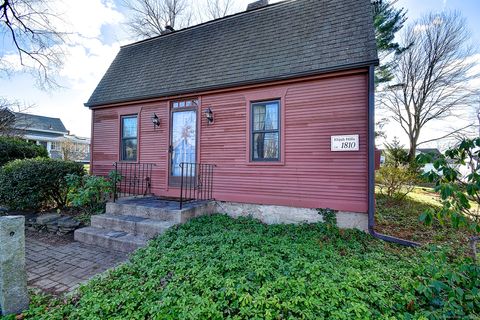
(209, 115)
(155, 120)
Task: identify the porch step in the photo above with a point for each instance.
(115, 240)
(147, 209)
(129, 223)
(137, 226)
(160, 214)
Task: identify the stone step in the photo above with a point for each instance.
(153, 213)
(115, 240)
(137, 226)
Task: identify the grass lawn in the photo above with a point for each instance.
(217, 267)
(401, 219)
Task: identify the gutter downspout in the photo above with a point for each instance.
(371, 166)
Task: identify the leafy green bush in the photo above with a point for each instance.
(36, 183)
(329, 216)
(448, 293)
(89, 193)
(395, 182)
(457, 192)
(216, 267)
(14, 148)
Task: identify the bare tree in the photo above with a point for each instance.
(31, 28)
(8, 114)
(72, 151)
(432, 76)
(149, 18)
(7, 122)
(218, 8)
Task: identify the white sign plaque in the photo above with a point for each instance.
(345, 143)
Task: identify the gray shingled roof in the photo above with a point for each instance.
(433, 151)
(283, 40)
(33, 122)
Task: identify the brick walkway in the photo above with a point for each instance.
(58, 268)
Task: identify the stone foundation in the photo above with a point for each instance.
(271, 214)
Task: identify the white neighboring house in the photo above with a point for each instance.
(464, 170)
(432, 151)
(52, 134)
(427, 167)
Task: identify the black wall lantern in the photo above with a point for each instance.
(155, 121)
(209, 115)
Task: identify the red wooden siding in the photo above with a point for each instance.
(309, 175)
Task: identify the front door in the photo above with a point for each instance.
(183, 139)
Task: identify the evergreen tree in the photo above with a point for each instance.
(388, 20)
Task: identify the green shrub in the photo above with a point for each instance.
(36, 183)
(329, 216)
(14, 148)
(395, 154)
(89, 193)
(448, 293)
(459, 194)
(216, 267)
(396, 182)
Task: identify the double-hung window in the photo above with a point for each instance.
(129, 138)
(265, 131)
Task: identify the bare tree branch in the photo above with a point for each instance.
(452, 133)
(71, 150)
(218, 8)
(29, 27)
(148, 18)
(8, 111)
(433, 75)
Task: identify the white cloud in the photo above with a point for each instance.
(86, 17)
(86, 63)
(87, 57)
(89, 52)
(420, 28)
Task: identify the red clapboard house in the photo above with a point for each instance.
(276, 101)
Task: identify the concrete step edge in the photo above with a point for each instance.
(161, 214)
(115, 240)
(145, 227)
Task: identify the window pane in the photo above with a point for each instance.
(129, 149)
(265, 116)
(129, 127)
(265, 146)
(184, 139)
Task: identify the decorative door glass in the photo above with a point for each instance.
(184, 140)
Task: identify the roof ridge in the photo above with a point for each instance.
(36, 115)
(234, 15)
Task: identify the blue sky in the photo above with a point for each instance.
(101, 34)
(470, 9)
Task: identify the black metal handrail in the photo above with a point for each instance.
(132, 179)
(196, 182)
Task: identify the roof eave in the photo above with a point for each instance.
(374, 62)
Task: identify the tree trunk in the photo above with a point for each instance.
(478, 117)
(412, 152)
(413, 146)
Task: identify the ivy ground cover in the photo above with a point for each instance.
(220, 268)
